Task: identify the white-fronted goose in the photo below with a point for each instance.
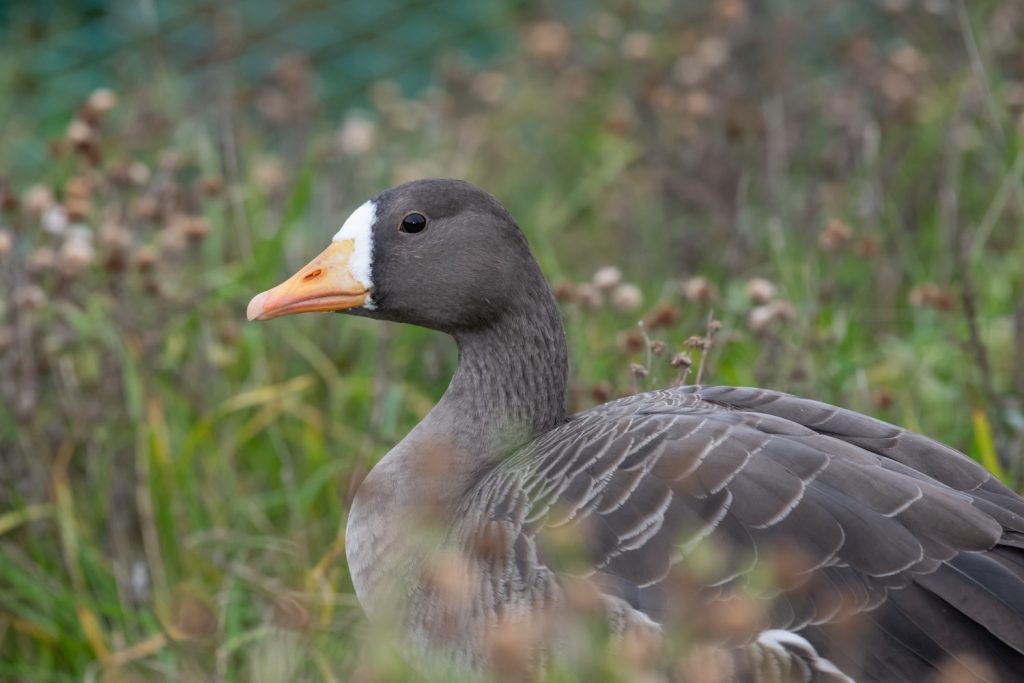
(918, 544)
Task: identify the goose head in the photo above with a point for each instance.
(441, 254)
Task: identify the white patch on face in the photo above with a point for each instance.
(359, 228)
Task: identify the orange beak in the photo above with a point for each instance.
(324, 284)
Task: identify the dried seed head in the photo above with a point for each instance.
(605, 25)
(589, 296)
(601, 392)
(211, 187)
(269, 175)
(731, 10)
(101, 101)
(657, 347)
(490, 86)
(146, 208)
(77, 187)
(145, 257)
(8, 202)
(194, 228)
(75, 256)
(41, 260)
(138, 173)
(763, 317)
(80, 133)
(357, 135)
(627, 297)
(565, 291)
(867, 246)
(37, 200)
(965, 668)
(760, 318)
(681, 360)
(661, 316)
(29, 297)
(510, 645)
(115, 237)
(451, 576)
(607, 278)
(760, 291)
(55, 220)
(631, 341)
(547, 41)
(637, 370)
(735, 617)
(77, 208)
(931, 295)
(705, 664)
(637, 45)
(698, 289)
(835, 235)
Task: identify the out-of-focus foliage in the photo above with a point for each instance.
(823, 197)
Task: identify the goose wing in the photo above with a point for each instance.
(852, 517)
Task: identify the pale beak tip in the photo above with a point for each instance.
(254, 311)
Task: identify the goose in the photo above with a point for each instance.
(904, 556)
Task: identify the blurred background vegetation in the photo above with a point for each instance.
(820, 197)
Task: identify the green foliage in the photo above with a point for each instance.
(173, 480)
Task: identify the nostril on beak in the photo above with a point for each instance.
(312, 275)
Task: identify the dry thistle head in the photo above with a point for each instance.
(37, 200)
(145, 258)
(565, 291)
(698, 289)
(211, 187)
(931, 295)
(490, 86)
(657, 347)
(357, 135)
(41, 260)
(76, 254)
(601, 392)
(836, 235)
(589, 297)
(681, 360)
(867, 246)
(661, 316)
(637, 45)
(100, 101)
(630, 341)
(627, 297)
(760, 291)
(510, 649)
(29, 298)
(547, 41)
(607, 278)
(763, 318)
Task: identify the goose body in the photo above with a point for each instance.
(899, 556)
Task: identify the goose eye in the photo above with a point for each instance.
(413, 222)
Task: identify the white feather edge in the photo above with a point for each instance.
(359, 228)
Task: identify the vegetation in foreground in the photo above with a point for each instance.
(828, 203)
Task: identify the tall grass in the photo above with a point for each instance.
(173, 480)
